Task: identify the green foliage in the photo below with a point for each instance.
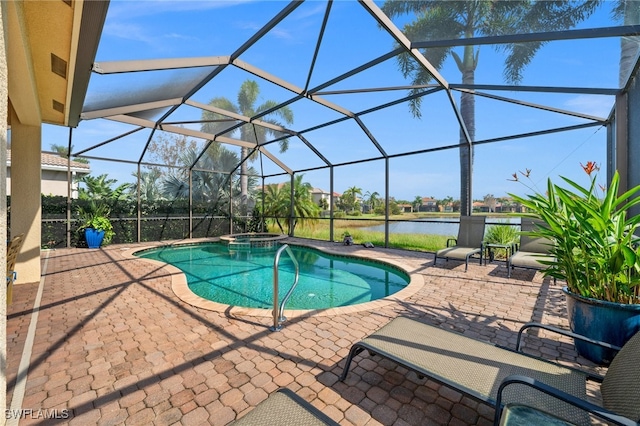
(349, 199)
(501, 234)
(372, 199)
(97, 217)
(99, 188)
(417, 202)
(595, 247)
(394, 209)
(277, 205)
(161, 220)
(100, 223)
(257, 222)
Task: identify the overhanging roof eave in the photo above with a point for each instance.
(94, 14)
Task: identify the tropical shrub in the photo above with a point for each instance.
(97, 217)
(503, 233)
(596, 248)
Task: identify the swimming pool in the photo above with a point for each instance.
(245, 277)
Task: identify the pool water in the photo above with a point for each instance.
(245, 278)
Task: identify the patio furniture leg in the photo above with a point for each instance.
(355, 350)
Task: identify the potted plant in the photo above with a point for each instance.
(596, 254)
(95, 225)
(347, 239)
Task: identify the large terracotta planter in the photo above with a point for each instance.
(94, 238)
(609, 322)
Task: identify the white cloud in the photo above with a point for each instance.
(128, 32)
(597, 105)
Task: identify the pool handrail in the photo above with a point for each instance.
(278, 318)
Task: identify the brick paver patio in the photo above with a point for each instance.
(113, 344)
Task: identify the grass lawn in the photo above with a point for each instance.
(320, 231)
(353, 224)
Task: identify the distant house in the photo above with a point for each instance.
(53, 175)
(428, 205)
(509, 205)
(406, 207)
(447, 208)
(320, 194)
(317, 194)
(480, 206)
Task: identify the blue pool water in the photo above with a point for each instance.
(245, 278)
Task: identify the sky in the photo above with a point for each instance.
(165, 29)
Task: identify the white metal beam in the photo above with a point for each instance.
(115, 67)
(179, 130)
(275, 160)
(238, 117)
(129, 109)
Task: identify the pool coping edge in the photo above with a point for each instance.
(181, 289)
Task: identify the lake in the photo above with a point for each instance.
(434, 226)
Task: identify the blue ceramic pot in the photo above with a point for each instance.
(94, 238)
(609, 322)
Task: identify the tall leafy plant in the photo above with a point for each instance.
(595, 242)
(97, 217)
(503, 233)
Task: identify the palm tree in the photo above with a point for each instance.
(350, 197)
(277, 204)
(247, 96)
(371, 198)
(63, 151)
(374, 200)
(417, 202)
(445, 19)
(304, 209)
(629, 12)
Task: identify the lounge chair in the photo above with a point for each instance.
(468, 243)
(13, 248)
(285, 408)
(478, 368)
(531, 250)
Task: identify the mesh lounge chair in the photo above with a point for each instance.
(12, 255)
(531, 249)
(620, 391)
(285, 408)
(478, 368)
(468, 243)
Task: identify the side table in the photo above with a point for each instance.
(489, 247)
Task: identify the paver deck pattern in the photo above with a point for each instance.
(114, 344)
